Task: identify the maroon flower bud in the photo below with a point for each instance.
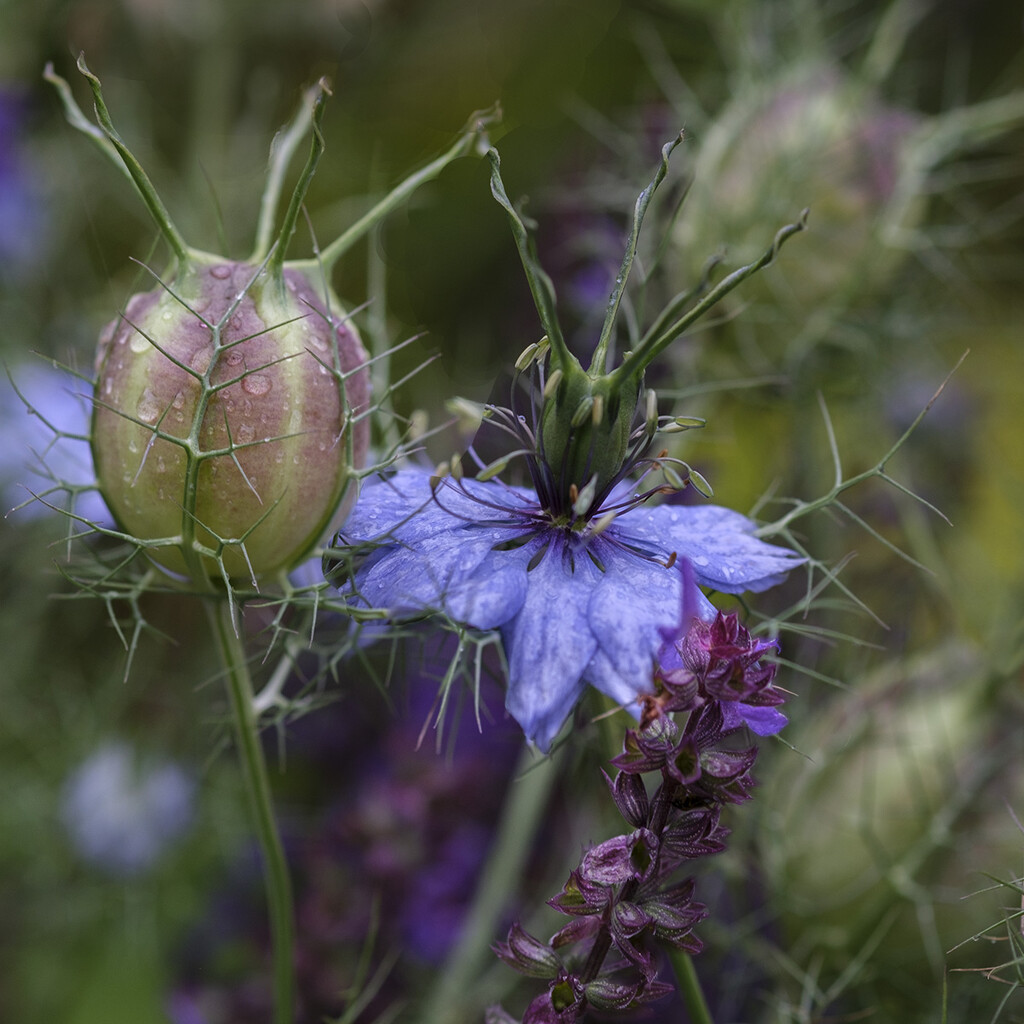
(606, 994)
(630, 796)
(621, 859)
(529, 956)
(563, 1003)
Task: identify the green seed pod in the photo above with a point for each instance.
(899, 808)
(224, 418)
(230, 419)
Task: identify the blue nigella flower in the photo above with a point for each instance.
(578, 572)
(578, 604)
(46, 422)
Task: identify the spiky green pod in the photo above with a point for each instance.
(231, 408)
(225, 425)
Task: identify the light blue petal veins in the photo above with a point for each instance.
(450, 570)
(549, 643)
(385, 504)
(406, 508)
(494, 592)
(633, 601)
(717, 541)
(436, 555)
(564, 621)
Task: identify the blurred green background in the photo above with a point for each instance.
(868, 856)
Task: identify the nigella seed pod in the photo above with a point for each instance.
(225, 417)
(231, 409)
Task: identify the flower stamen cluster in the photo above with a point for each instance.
(577, 571)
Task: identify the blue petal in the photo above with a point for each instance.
(549, 643)
(718, 543)
(406, 506)
(635, 606)
(763, 721)
(432, 559)
(494, 592)
(633, 601)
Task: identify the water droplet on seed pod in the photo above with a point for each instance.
(256, 384)
(148, 408)
(200, 362)
(223, 383)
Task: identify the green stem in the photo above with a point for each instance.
(689, 986)
(291, 217)
(474, 136)
(651, 346)
(143, 185)
(599, 363)
(257, 784)
(524, 805)
(81, 123)
(281, 152)
(541, 287)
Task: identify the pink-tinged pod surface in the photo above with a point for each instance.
(222, 422)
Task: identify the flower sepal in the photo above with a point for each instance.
(527, 955)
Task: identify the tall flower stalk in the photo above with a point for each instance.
(230, 429)
(624, 899)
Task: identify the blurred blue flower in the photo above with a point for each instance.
(44, 415)
(122, 812)
(24, 227)
(580, 604)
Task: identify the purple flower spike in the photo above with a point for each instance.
(720, 662)
(579, 602)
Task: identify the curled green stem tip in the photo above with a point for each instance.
(143, 185)
(321, 92)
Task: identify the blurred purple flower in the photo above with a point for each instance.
(122, 812)
(575, 605)
(44, 415)
(23, 224)
(384, 835)
(183, 1008)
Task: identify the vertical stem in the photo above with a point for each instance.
(527, 797)
(257, 783)
(281, 152)
(689, 986)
